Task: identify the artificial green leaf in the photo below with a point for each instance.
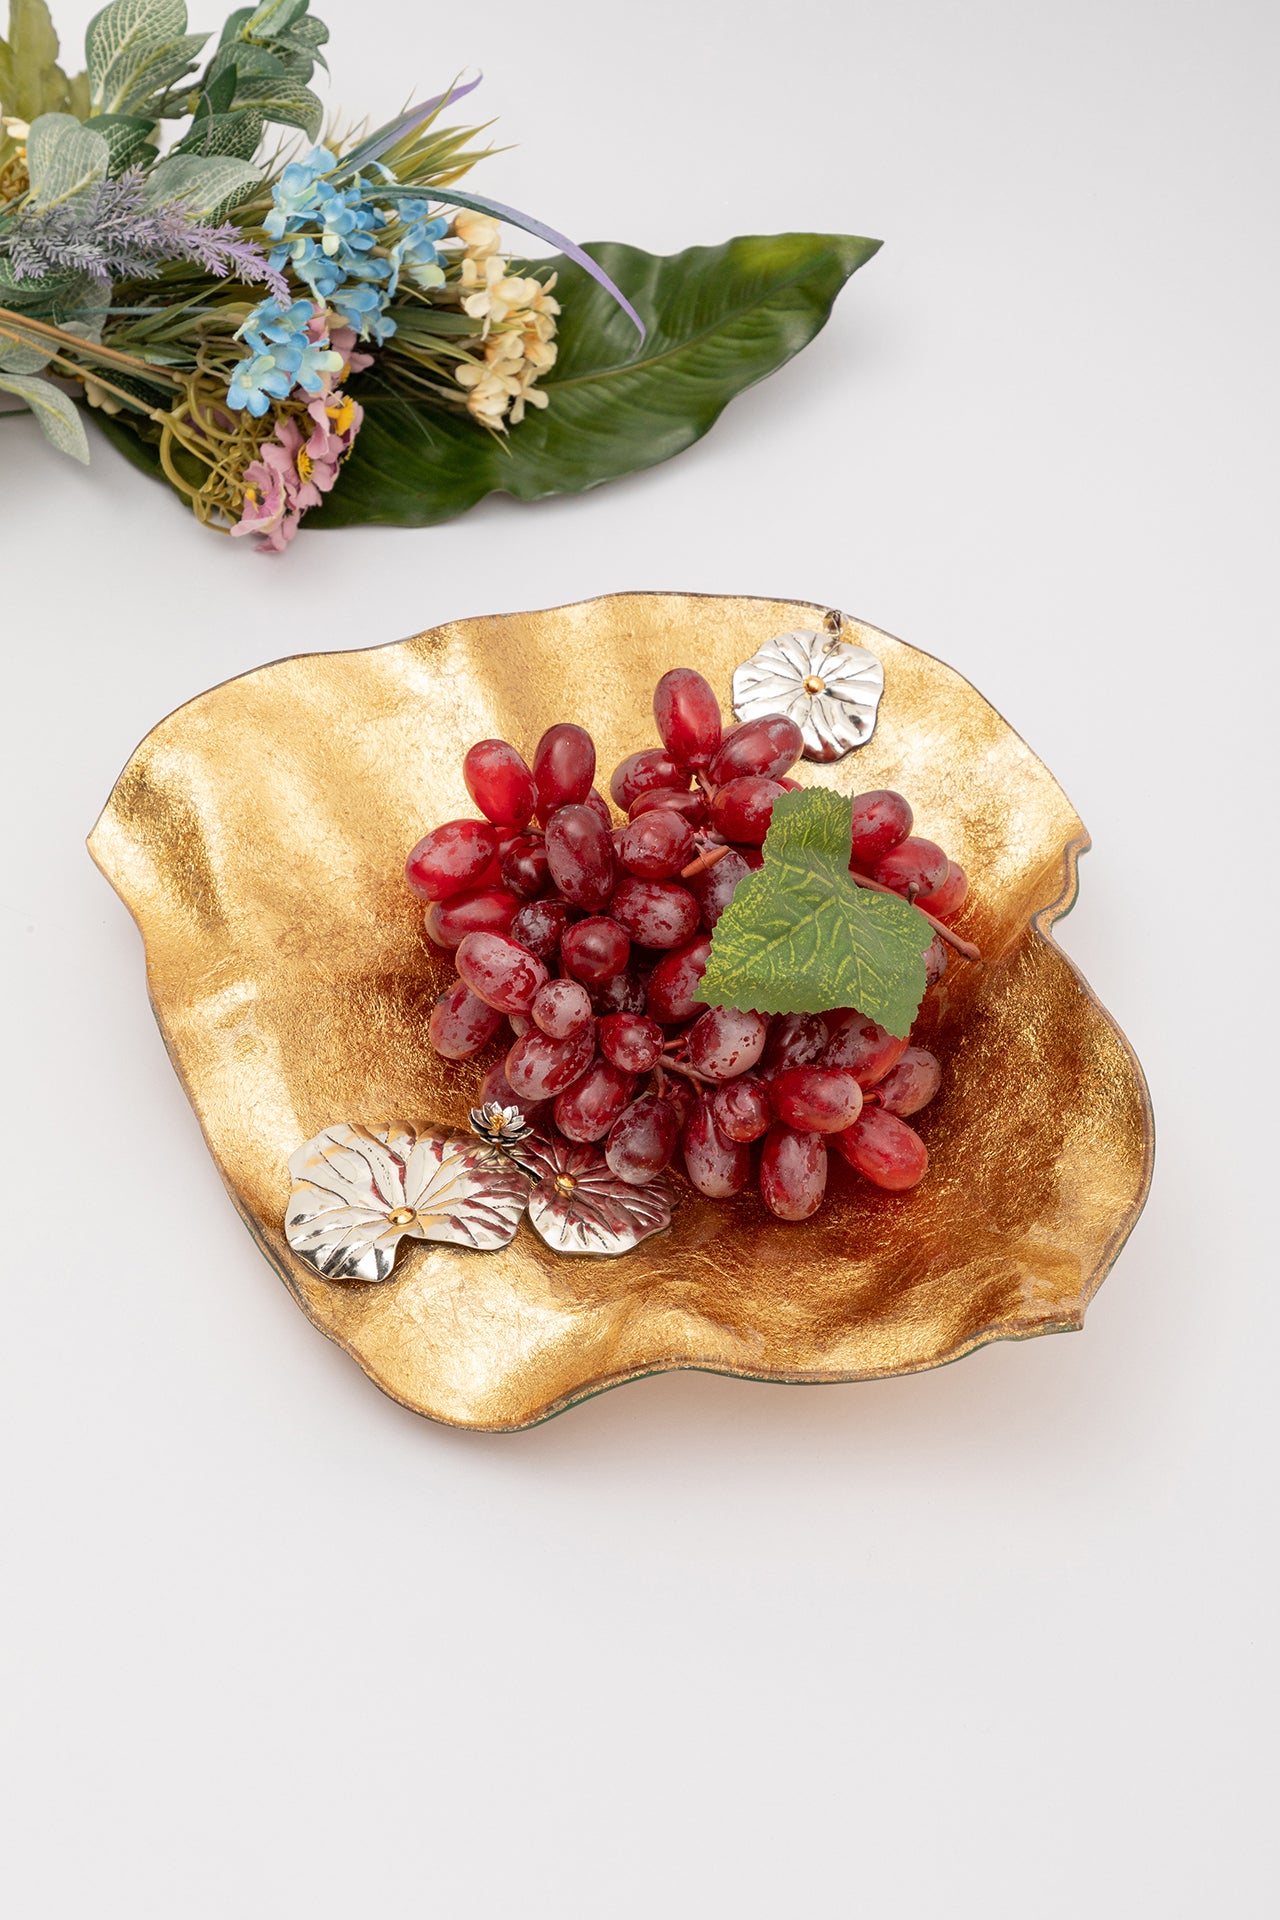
(31, 81)
(19, 356)
(63, 158)
(147, 69)
(718, 320)
(113, 36)
(207, 185)
(56, 413)
(129, 138)
(233, 135)
(286, 101)
(269, 21)
(801, 936)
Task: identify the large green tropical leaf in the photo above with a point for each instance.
(718, 320)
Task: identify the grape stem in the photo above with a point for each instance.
(688, 1073)
(963, 947)
(707, 858)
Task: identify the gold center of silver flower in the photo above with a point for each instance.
(565, 1183)
(815, 684)
(401, 1217)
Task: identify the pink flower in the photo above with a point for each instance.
(293, 473)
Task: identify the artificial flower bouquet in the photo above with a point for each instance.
(338, 330)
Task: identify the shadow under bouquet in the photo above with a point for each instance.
(283, 321)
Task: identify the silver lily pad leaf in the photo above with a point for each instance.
(358, 1191)
(579, 1206)
(828, 686)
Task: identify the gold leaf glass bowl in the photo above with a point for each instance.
(258, 836)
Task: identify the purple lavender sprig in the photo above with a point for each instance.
(111, 233)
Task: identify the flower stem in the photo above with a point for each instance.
(73, 340)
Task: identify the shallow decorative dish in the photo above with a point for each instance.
(258, 837)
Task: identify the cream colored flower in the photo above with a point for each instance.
(478, 233)
(15, 128)
(490, 391)
(98, 396)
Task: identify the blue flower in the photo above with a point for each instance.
(364, 308)
(314, 361)
(273, 326)
(294, 193)
(256, 381)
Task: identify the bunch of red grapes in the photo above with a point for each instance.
(586, 940)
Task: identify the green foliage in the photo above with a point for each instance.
(801, 936)
(56, 413)
(31, 81)
(718, 319)
(63, 158)
(208, 186)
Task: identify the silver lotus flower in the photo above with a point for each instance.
(358, 1191)
(828, 686)
(499, 1126)
(580, 1206)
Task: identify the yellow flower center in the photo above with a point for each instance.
(341, 415)
(253, 497)
(402, 1217)
(815, 684)
(565, 1183)
(305, 463)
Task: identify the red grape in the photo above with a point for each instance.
(500, 783)
(741, 1108)
(716, 1166)
(681, 1096)
(652, 770)
(461, 1023)
(690, 806)
(483, 910)
(866, 1049)
(770, 746)
(884, 1149)
(915, 868)
(715, 886)
(795, 1039)
(538, 925)
(724, 1042)
(631, 1041)
(656, 913)
(503, 973)
(600, 807)
(622, 993)
(451, 858)
(561, 1008)
(688, 716)
(673, 984)
(587, 1109)
(538, 1066)
(881, 820)
(816, 1099)
(580, 853)
(525, 870)
(948, 899)
(793, 1172)
(935, 960)
(642, 1140)
(912, 1083)
(497, 1088)
(594, 950)
(564, 766)
(656, 846)
(741, 809)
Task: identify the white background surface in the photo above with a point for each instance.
(989, 1641)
